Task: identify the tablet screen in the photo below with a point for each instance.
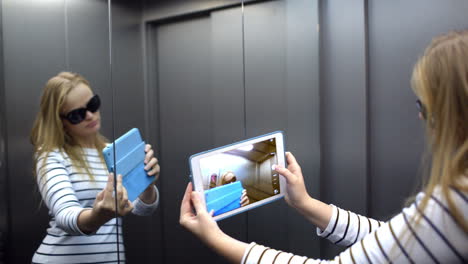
(239, 176)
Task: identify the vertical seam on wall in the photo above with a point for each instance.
(320, 108)
(3, 125)
(152, 80)
(109, 15)
(65, 14)
(367, 108)
(144, 53)
(154, 47)
(245, 101)
(243, 70)
(286, 99)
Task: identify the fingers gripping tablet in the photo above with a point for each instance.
(240, 176)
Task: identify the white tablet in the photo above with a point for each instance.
(240, 176)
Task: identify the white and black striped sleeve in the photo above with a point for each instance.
(346, 228)
(141, 208)
(434, 238)
(57, 192)
(257, 254)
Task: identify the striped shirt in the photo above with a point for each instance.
(67, 191)
(437, 238)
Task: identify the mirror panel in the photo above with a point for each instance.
(190, 75)
(41, 39)
(33, 49)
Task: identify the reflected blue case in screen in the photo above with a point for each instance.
(130, 153)
(224, 198)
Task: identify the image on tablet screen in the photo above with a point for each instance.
(249, 168)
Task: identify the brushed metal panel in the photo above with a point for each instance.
(266, 104)
(303, 115)
(185, 125)
(398, 34)
(344, 138)
(227, 92)
(34, 49)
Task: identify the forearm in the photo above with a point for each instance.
(228, 247)
(89, 222)
(149, 195)
(149, 205)
(317, 212)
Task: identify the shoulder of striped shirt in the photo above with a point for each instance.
(63, 156)
(55, 153)
(453, 192)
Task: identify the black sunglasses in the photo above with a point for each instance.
(76, 116)
(421, 108)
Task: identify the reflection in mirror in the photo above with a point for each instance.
(40, 40)
(190, 75)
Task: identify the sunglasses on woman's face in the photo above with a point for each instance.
(421, 108)
(76, 116)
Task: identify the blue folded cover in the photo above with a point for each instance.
(130, 153)
(224, 198)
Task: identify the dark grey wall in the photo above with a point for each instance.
(398, 33)
(266, 105)
(203, 104)
(343, 107)
(282, 93)
(29, 60)
(371, 137)
(185, 114)
(303, 111)
(3, 171)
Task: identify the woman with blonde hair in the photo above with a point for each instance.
(73, 179)
(432, 229)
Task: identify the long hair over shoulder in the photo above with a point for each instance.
(48, 133)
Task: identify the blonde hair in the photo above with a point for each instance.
(48, 133)
(440, 80)
(223, 178)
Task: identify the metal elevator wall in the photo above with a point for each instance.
(203, 104)
(3, 170)
(369, 135)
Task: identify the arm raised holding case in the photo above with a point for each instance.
(126, 156)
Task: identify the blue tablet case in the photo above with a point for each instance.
(130, 153)
(224, 198)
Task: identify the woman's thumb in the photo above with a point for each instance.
(195, 197)
(285, 172)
